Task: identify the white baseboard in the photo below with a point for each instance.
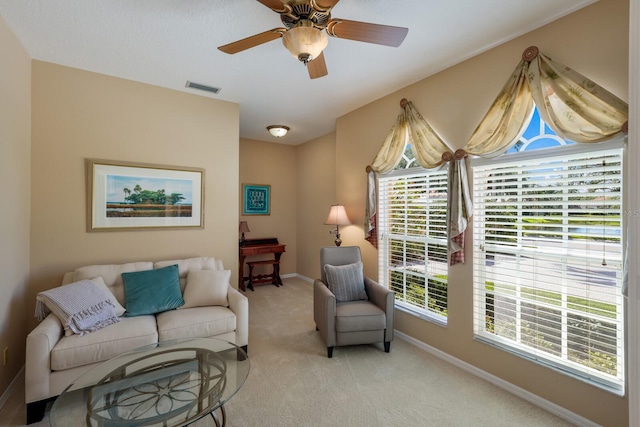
(305, 278)
(297, 276)
(505, 385)
(7, 393)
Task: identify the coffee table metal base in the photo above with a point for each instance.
(223, 415)
(168, 384)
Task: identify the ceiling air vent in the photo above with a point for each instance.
(206, 88)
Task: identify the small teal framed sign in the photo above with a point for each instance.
(256, 199)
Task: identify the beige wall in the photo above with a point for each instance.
(594, 41)
(271, 164)
(15, 147)
(78, 115)
(316, 176)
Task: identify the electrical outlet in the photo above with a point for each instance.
(5, 356)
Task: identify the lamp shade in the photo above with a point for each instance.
(337, 216)
(305, 42)
(244, 227)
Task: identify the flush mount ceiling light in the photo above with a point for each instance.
(278, 130)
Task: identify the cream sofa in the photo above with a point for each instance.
(53, 360)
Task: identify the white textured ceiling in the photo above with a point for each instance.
(167, 42)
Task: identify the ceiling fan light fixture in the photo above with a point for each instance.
(278, 130)
(304, 41)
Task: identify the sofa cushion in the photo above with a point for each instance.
(346, 282)
(197, 322)
(152, 291)
(112, 275)
(190, 264)
(206, 288)
(129, 333)
(359, 316)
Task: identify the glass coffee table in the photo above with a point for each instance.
(171, 383)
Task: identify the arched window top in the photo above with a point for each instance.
(538, 135)
(408, 160)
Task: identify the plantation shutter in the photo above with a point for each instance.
(413, 238)
(548, 259)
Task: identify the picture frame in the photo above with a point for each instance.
(143, 196)
(256, 199)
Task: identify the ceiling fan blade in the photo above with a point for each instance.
(366, 32)
(326, 4)
(253, 41)
(275, 5)
(317, 67)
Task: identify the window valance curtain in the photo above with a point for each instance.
(410, 127)
(429, 150)
(575, 108)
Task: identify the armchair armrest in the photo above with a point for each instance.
(385, 299)
(239, 304)
(324, 312)
(40, 342)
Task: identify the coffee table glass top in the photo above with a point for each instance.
(171, 383)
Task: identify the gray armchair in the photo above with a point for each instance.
(359, 321)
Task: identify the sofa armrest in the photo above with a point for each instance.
(324, 312)
(385, 299)
(239, 304)
(40, 342)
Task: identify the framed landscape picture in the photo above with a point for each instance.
(256, 199)
(139, 196)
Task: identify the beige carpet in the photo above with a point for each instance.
(293, 383)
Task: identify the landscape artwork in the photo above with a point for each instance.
(125, 196)
(148, 197)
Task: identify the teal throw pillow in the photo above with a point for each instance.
(152, 291)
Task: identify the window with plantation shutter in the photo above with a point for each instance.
(548, 258)
(412, 217)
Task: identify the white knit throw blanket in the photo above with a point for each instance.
(81, 306)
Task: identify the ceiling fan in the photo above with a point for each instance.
(303, 35)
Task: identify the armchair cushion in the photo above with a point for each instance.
(346, 282)
(359, 316)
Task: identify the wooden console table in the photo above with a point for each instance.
(253, 247)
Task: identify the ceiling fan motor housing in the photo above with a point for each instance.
(305, 11)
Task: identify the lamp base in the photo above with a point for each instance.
(338, 241)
